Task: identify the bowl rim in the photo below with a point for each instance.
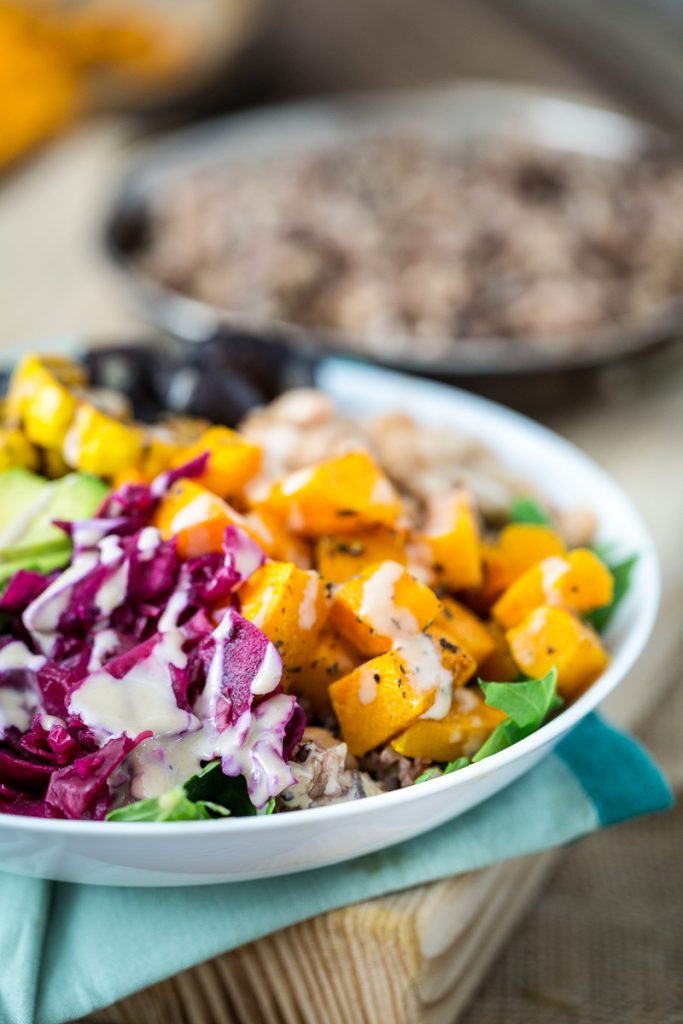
(339, 374)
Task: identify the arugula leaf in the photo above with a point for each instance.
(208, 794)
(171, 806)
(527, 705)
(435, 772)
(527, 510)
(622, 573)
(225, 790)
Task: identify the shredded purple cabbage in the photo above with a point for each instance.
(106, 625)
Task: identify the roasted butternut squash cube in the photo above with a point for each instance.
(196, 517)
(97, 443)
(290, 606)
(232, 463)
(461, 733)
(332, 659)
(342, 495)
(342, 555)
(277, 541)
(41, 397)
(579, 581)
(519, 546)
(451, 539)
(378, 700)
(460, 663)
(381, 606)
(464, 628)
(552, 636)
(500, 666)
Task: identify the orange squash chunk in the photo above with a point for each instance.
(276, 540)
(341, 495)
(459, 662)
(332, 659)
(196, 517)
(552, 636)
(451, 536)
(341, 556)
(499, 667)
(580, 582)
(378, 700)
(232, 463)
(289, 605)
(461, 733)
(464, 628)
(519, 546)
(381, 605)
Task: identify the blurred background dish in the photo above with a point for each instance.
(478, 229)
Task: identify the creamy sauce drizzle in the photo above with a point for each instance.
(308, 609)
(379, 607)
(143, 699)
(552, 570)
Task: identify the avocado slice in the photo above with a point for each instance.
(22, 495)
(75, 496)
(29, 504)
(45, 562)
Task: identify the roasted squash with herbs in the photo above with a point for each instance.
(554, 637)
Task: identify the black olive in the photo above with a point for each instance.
(222, 396)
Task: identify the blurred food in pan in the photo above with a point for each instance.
(396, 242)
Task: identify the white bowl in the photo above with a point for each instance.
(199, 853)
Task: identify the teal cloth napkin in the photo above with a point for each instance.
(66, 950)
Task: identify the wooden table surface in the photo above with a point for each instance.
(55, 283)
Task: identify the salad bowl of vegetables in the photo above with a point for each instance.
(230, 654)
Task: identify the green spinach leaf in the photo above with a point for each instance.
(171, 806)
(527, 510)
(622, 573)
(527, 705)
(208, 794)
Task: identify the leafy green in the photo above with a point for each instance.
(171, 806)
(527, 510)
(622, 573)
(208, 794)
(435, 772)
(527, 705)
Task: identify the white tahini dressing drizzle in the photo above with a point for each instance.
(16, 528)
(422, 658)
(308, 609)
(419, 652)
(260, 617)
(42, 616)
(367, 686)
(143, 699)
(552, 570)
(18, 705)
(295, 481)
(379, 607)
(113, 591)
(104, 645)
(148, 541)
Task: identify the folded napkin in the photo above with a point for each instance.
(68, 949)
